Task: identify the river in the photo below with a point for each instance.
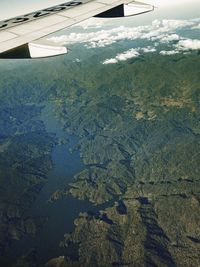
(62, 213)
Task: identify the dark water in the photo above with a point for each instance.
(61, 214)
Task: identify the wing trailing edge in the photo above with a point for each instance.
(20, 37)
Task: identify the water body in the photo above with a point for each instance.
(62, 213)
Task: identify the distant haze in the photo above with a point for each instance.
(19, 7)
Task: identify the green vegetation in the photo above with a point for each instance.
(25, 160)
(139, 139)
(139, 124)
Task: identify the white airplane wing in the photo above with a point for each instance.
(19, 37)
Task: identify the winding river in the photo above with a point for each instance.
(61, 213)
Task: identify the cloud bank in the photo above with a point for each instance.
(163, 31)
(188, 44)
(131, 53)
(159, 32)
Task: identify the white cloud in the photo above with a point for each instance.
(131, 53)
(128, 54)
(176, 24)
(110, 61)
(169, 53)
(182, 45)
(188, 44)
(162, 31)
(148, 49)
(196, 27)
(100, 38)
(169, 38)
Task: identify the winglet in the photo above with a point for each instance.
(34, 50)
(40, 50)
(127, 10)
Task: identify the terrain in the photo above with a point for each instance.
(139, 140)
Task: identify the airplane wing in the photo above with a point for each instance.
(19, 36)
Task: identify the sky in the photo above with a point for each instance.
(158, 28)
(173, 28)
(19, 7)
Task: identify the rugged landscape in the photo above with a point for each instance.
(139, 139)
(24, 162)
(140, 144)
